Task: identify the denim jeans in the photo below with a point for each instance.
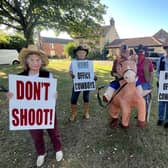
(75, 95)
(163, 106)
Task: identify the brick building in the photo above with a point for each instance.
(54, 46)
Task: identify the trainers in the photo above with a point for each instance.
(59, 156)
(166, 125)
(40, 160)
(159, 122)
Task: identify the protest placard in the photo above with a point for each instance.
(163, 86)
(84, 75)
(33, 103)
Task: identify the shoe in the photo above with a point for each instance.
(166, 125)
(40, 160)
(86, 116)
(141, 124)
(123, 126)
(114, 123)
(159, 122)
(59, 156)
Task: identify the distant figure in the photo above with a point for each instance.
(104, 54)
(145, 71)
(162, 105)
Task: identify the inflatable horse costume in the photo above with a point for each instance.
(128, 97)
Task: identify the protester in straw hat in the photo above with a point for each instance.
(32, 49)
(34, 60)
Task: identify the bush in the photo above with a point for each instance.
(69, 49)
(12, 42)
(94, 55)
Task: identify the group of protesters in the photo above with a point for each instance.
(34, 60)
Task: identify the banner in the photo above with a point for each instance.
(163, 86)
(33, 103)
(84, 75)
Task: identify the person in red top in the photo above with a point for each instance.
(145, 71)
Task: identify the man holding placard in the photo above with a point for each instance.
(162, 74)
(81, 71)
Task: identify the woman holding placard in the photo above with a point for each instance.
(33, 61)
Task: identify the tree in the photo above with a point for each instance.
(75, 17)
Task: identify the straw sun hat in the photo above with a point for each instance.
(32, 49)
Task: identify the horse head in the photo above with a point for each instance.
(127, 69)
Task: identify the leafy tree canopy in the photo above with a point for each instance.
(78, 18)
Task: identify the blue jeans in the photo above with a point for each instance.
(75, 95)
(163, 106)
(146, 86)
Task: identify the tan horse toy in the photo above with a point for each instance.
(128, 96)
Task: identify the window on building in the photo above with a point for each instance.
(52, 45)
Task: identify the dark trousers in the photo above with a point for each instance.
(38, 139)
(75, 95)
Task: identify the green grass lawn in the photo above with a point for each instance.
(86, 144)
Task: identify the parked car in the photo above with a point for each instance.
(154, 56)
(9, 56)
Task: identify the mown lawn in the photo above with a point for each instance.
(86, 144)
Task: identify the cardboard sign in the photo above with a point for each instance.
(33, 103)
(163, 86)
(84, 75)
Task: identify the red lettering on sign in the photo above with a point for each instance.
(36, 90)
(46, 111)
(46, 85)
(23, 117)
(30, 117)
(51, 116)
(39, 118)
(31, 90)
(15, 120)
(19, 89)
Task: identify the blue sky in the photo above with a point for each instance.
(137, 18)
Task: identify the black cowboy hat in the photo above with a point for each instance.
(81, 48)
(165, 47)
(141, 48)
(124, 48)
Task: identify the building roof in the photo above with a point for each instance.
(133, 42)
(162, 36)
(55, 40)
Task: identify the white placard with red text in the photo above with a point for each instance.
(163, 86)
(84, 75)
(32, 105)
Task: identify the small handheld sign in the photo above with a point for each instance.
(84, 75)
(163, 86)
(33, 103)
